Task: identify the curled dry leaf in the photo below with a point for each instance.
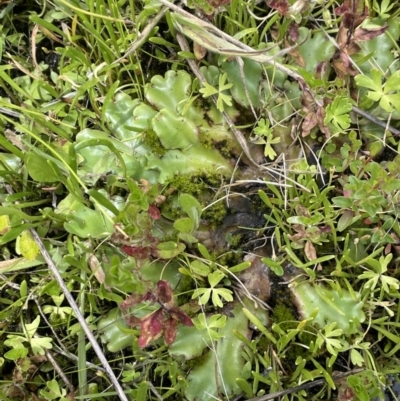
(362, 34)
(97, 270)
(310, 252)
(199, 51)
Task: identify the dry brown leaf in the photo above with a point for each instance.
(199, 51)
(310, 251)
(309, 122)
(362, 34)
(97, 270)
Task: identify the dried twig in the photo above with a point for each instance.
(60, 372)
(376, 121)
(96, 347)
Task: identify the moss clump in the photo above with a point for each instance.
(230, 258)
(199, 184)
(206, 141)
(285, 317)
(151, 139)
(215, 214)
(190, 184)
(226, 148)
(235, 241)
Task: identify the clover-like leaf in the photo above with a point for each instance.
(209, 90)
(203, 294)
(263, 128)
(382, 92)
(40, 344)
(15, 341)
(219, 293)
(356, 358)
(212, 324)
(374, 82)
(215, 277)
(55, 392)
(30, 328)
(337, 113)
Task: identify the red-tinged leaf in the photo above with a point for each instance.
(151, 328)
(133, 321)
(361, 34)
(282, 6)
(341, 10)
(154, 212)
(133, 299)
(348, 21)
(177, 314)
(138, 252)
(164, 293)
(325, 229)
(347, 193)
(294, 32)
(171, 326)
(150, 296)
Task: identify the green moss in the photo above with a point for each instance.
(151, 139)
(190, 184)
(235, 241)
(215, 214)
(230, 258)
(284, 316)
(195, 184)
(226, 148)
(206, 141)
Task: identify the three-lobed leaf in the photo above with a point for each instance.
(382, 92)
(337, 113)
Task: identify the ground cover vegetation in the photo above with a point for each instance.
(199, 200)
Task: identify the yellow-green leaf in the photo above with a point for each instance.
(4, 224)
(26, 246)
